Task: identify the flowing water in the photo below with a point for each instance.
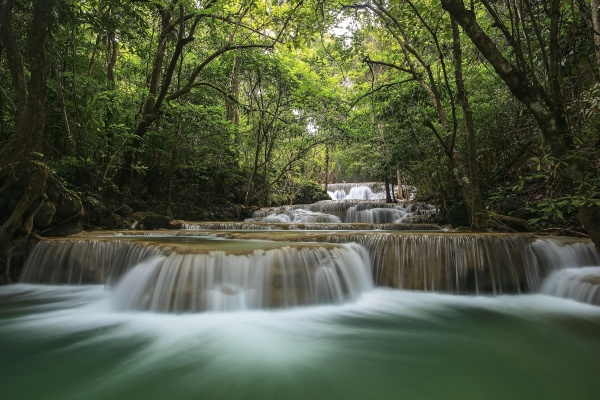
(68, 342)
(319, 306)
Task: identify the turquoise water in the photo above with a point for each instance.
(67, 342)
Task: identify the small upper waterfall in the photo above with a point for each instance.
(364, 191)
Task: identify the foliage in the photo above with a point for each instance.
(260, 102)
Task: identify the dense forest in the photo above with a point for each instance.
(206, 109)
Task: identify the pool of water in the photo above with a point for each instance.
(68, 342)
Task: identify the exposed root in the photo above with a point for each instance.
(17, 226)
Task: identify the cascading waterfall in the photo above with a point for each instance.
(360, 193)
(182, 276)
(217, 281)
(346, 211)
(452, 263)
(260, 226)
(356, 191)
(581, 284)
(442, 262)
(572, 269)
(564, 252)
(270, 306)
(272, 265)
(364, 191)
(83, 261)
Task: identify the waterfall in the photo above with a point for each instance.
(452, 262)
(571, 267)
(581, 284)
(364, 191)
(289, 276)
(467, 263)
(443, 262)
(260, 226)
(179, 275)
(346, 211)
(83, 261)
(564, 252)
(360, 193)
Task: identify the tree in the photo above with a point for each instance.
(179, 22)
(420, 39)
(544, 98)
(23, 174)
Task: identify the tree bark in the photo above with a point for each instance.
(472, 185)
(69, 143)
(400, 194)
(596, 24)
(388, 195)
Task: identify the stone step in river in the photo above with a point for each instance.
(230, 270)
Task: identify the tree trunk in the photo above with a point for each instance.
(69, 143)
(326, 166)
(596, 24)
(472, 183)
(400, 194)
(113, 50)
(388, 196)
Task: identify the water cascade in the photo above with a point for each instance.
(261, 226)
(581, 284)
(346, 211)
(184, 274)
(80, 262)
(435, 261)
(449, 262)
(289, 276)
(355, 297)
(364, 191)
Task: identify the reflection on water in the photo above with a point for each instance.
(66, 342)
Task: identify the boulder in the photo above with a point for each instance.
(157, 221)
(115, 221)
(137, 205)
(44, 216)
(124, 211)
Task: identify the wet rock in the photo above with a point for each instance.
(115, 221)
(68, 204)
(44, 216)
(150, 220)
(68, 217)
(156, 221)
(95, 212)
(124, 211)
(137, 205)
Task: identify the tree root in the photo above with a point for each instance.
(513, 223)
(18, 225)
